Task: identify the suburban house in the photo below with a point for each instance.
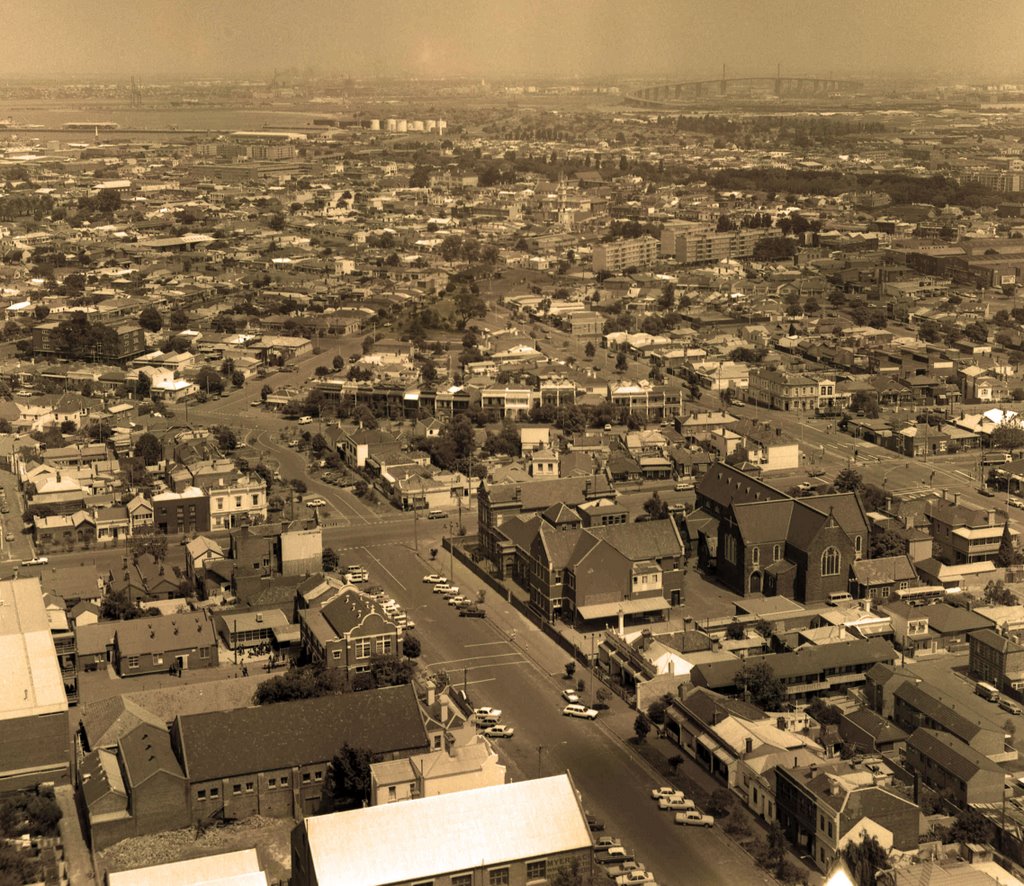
(463, 768)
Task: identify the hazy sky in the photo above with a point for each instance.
(953, 39)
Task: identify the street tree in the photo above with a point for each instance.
(589, 350)
(329, 559)
(656, 508)
(642, 727)
(117, 604)
(1007, 555)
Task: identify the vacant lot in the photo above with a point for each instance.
(269, 836)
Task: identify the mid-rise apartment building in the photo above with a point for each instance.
(618, 255)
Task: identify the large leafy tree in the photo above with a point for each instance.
(349, 786)
(758, 682)
(148, 448)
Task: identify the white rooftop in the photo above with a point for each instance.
(241, 868)
(502, 823)
(32, 683)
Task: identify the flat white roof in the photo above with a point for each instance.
(31, 682)
(488, 826)
(241, 868)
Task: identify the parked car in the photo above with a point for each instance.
(433, 579)
(316, 503)
(593, 822)
(442, 587)
(606, 842)
(695, 818)
(635, 878)
(499, 731)
(666, 791)
(457, 600)
(9, 536)
(472, 612)
(1010, 706)
(627, 867)
(613, 855)
(579, 710)
(676, 804)
(571, 696)
(36, 561)
(487, 712)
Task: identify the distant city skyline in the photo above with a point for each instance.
(928, 39)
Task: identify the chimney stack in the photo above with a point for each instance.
(431, 693)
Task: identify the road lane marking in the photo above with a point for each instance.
(434, 664)
(493, 643)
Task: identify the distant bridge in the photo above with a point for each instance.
(741, 87)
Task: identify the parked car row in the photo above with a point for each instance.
(687, 813)
(391, 608)
(466, 607)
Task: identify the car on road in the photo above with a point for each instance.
(594, 823)
(581, 711)
(487, 712)
(9, 536)
(442, 587)
(984, 490)
(613, 855)
(316, 503)
(676, 804)
(306, 420)
(457, 599)
(1016, 502)
(256, 404)
(500, 731)
(433, 579)
(571, 696)
(666, 791)
(472, 612)
(606, 842)
(695, 818)
(36, 561)
(627, 867)
(635, 878)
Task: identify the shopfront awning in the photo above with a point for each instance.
(717, 751)
(628, 607)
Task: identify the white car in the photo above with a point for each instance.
(499, 731)
(456, 599)
(676, 804)
(571, 696)
(635, 877)
(36, 561)
(666, 791)
(442, 587)
(316, 503)
(433, 579)
(579, 710)
(487, 712)
(695, 818)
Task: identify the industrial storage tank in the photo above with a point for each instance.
(392, 124)
(375, 125)
(403, 125)
(416, 126)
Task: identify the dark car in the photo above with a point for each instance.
(472, 612)
(594, 823)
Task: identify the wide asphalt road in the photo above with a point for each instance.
(525, 683)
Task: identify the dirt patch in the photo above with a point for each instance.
(270, 837)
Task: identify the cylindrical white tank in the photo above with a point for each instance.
(403, 125)
(417, 126)
(392, 124)
(375, 125)
(431, 125)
